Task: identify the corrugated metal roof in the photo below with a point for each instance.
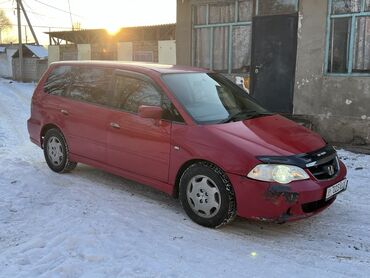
(138, 33)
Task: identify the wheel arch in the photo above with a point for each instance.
(184, 167)
(45, 129)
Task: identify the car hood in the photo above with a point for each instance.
(270, 135)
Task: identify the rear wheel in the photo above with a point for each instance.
(56, 152)
(207, 195)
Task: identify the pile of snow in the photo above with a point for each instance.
(93, 224)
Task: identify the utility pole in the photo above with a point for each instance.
(20, 45)
(28, 22)
(25, 33)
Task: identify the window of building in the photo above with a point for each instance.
(348, 36)
(271, 7)
(221, 35)
(222, 32)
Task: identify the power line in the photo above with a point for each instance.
(44, 26)
(58, 9)
(31, 10)
(70, 13)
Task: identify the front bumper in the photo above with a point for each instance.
(282, 203)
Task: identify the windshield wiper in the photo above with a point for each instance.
(247, 114)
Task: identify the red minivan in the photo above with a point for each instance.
(189, 132)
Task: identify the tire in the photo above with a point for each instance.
(56, 152)
(207, 196)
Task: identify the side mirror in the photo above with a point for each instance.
(150, 112)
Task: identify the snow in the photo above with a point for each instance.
(39, 50)
(93, 224)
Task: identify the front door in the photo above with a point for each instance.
(140, 146)
(274, 50)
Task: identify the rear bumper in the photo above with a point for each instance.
(34, 131)
(281, 203)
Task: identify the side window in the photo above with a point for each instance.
(170, 112)
(91, 85)
(58, 81)
(131, 92)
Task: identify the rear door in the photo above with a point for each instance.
(135, 144)
(85, 112)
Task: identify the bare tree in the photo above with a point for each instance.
(4, 23)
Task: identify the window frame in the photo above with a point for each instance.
(352, 36)
(211, 26)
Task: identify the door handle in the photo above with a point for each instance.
(258, 68)
(64, 112)
(115, 125)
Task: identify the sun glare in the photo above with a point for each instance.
(113, 30)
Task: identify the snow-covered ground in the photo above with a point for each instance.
(93, 224)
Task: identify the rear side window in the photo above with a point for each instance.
(91, 85)
(58, 81)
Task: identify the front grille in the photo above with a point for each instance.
(325, 169)
(323, 163)
(314, 206)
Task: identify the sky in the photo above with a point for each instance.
(109, 14)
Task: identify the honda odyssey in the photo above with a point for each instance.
(189, 132)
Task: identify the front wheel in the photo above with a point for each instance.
(207, 195)
(56, 152)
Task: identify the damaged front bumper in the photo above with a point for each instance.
(282, 203)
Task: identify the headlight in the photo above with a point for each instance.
(277, 173)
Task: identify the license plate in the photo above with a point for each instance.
(336, 188)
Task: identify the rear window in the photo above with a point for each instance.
(58, 81)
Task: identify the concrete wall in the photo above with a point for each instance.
(167, 52)
(68, 52)
(339, 107)
(150, 46)
(104, 51)
(6, 67)
(53, 53)
(83, 52)
(33, 69)
(124, 51)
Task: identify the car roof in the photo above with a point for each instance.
(137, 66)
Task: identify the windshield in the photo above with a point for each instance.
(212, 98)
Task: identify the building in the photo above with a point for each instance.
(35, 61)
(308, 58)
(147, 43)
